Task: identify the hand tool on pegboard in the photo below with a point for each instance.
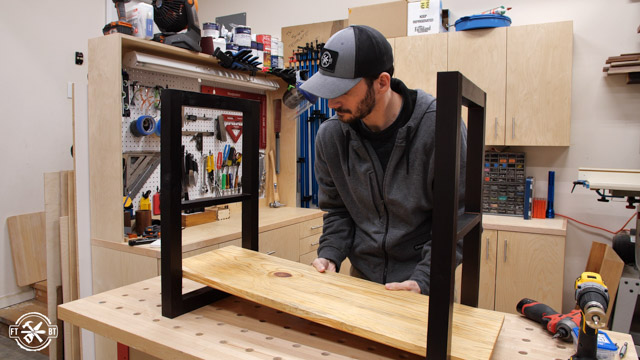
(205, 170)
(274, 177)
(138, 167)
(277, 126)
(560, 325)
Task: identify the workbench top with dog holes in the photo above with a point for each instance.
(234, 328)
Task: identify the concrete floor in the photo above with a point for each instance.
(9, 349)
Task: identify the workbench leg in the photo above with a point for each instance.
(628, 291)
(123, 352)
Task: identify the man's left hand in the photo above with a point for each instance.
(409, 285)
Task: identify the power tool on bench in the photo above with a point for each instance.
(592, 297)
(560, 325)
(120, 26)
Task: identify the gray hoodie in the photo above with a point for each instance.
(381, 220)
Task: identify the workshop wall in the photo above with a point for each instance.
(605, 125)
(37, 64)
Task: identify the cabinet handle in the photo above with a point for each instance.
(495, 128)
(271, 252)
(513, 127)
(505, 250)
(487, 254)
(316, 227)
(315, 243)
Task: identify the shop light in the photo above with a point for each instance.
(154, 63)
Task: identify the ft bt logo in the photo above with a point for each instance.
(33, 331)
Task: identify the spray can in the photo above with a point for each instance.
(500, 10)
(156, 202)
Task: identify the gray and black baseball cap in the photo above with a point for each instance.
(349, 55)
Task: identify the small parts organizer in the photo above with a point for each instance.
(504, 182)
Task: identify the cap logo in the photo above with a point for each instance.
(328, 60)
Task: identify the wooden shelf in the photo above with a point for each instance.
(363, 308)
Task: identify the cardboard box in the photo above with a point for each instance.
(301, 35)
(424, 17)
(388, 18)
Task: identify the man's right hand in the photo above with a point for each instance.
(322, 265)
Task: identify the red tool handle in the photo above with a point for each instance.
(536, 311)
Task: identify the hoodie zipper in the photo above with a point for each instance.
(384, 208)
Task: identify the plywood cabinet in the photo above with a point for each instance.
(281, 242)
(525, 71)
(539, 63)
(481, 55)
(521, 262)
(418, 59)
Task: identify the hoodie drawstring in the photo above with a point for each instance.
(347, 140)
(407, 146)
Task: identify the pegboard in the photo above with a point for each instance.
(144, 94)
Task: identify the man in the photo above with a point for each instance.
(374, 164)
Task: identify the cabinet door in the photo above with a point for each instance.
(417, 59)
(539, 84)
(529, 266)
(486, 299)
(283, 242)
(481, 56)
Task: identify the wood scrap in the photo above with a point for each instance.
(604, 261)
(27, 239)
(628, 64)
(52, 185)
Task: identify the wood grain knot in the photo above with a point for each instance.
(282, 274)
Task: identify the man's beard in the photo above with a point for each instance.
(364, 108)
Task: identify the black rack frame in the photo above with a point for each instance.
(174, 302)
(455, 91)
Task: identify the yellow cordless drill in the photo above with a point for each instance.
(592, 297)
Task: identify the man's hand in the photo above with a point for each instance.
(409, 285)
(322, 265)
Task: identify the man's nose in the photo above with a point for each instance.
(334, 103)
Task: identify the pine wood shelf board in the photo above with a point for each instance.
(363, 308)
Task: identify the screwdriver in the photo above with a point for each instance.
(560, 325)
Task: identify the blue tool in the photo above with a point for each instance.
(552, 179)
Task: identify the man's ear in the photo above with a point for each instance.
(384, 82)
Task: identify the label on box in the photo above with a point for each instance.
(424, 17)
(266, 42)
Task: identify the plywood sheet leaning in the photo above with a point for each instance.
(27, 238)
(604, 261)
(356, 306)
(52, 187)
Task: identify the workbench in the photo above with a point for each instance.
(234, 328)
